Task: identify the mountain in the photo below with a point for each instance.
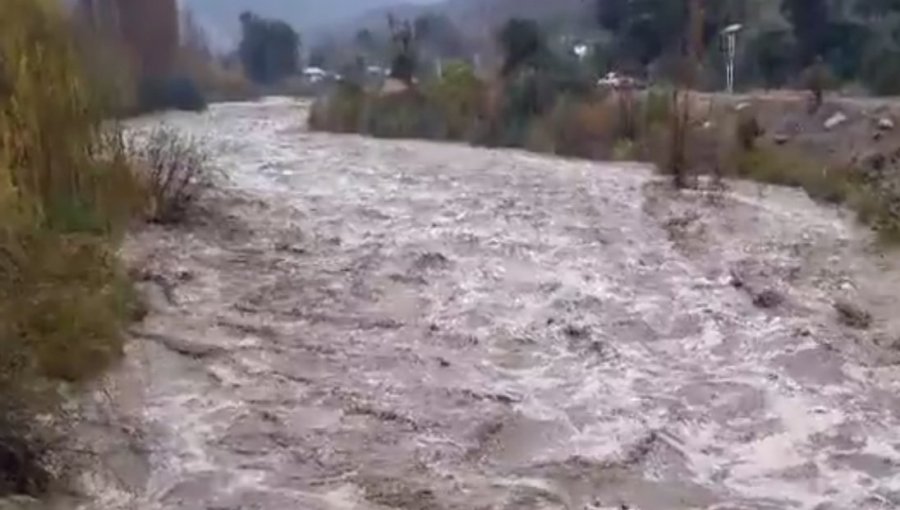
(219, 18)
(477, 19)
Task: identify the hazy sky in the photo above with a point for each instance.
(219, 17)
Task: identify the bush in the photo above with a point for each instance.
(178, 93)
(881, 71)
(341, 111)
(176, 172)
(779, 166)
(65, 195)
(586, 129)
(407, 114)
(459, 94)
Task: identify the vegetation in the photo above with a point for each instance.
(404, 62)
(269, 49)
(66, 195)
(544, 101)
(175, 172)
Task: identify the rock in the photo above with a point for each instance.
(768, 299)
(781, 138)
(290, 248)
(852, 316)
(741, 106)
(835, 120)
(885, 124)
(576, 332)
(431, 260)
(184, 275)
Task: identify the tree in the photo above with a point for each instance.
(612, 14)
(809, 20)
(405, 60)
(771, 55)
(523, 44)
(269, 49)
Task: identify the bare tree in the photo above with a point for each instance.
(681, 94)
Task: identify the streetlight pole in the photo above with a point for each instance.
(730, 33)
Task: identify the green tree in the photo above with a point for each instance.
(269, 49)
(523, 44)
(770, 57)
(809, 21)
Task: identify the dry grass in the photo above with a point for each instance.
(587, 128)
(66, 194)
(175, 170)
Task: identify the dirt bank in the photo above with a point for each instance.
(364, 324)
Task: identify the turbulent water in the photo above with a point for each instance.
(362, 324)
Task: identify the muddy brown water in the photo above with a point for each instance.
(363, 324)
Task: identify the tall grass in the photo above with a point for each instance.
(66, 195)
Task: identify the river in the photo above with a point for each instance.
(353, 323)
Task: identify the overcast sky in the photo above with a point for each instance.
(219, 17)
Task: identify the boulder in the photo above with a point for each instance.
(886, 124)
(835, 120)
(853, 316)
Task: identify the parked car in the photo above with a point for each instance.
(615, 80)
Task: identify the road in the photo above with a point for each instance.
(362, 324)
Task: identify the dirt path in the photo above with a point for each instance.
(366, 324)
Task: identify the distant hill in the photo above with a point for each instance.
(220, 17)
(316, 18)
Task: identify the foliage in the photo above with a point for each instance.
(340, 112)
(881, 70)
(769, 57)
(66, 194)
(522, 43)
(176, 172)
(179, 93)
(269, 49)
(408, 114)
(586, 129)
(459, 95)
(404, 62)
(809, 21)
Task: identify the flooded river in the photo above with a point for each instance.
(364, 324)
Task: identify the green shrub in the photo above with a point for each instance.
(881, 71)
(406, 114)
(782, 167)
(341, 111)
(656, 106)
(459, 94)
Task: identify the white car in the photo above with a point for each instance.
(617, 81)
